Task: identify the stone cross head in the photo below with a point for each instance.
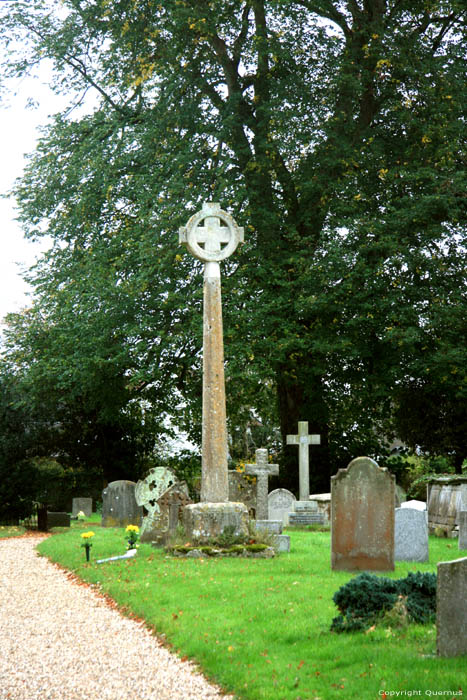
(205, 241)
(262, 466)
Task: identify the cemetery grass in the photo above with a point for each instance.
(260, 628)
(11, 530)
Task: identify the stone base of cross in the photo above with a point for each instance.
(262, 470)
(303, 440)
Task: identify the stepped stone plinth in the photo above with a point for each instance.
(306, 513)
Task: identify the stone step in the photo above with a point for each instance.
(308, 519)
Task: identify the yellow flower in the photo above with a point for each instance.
(87, 535)
(132, 528)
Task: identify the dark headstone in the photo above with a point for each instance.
(119, 507)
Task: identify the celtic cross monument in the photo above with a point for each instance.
(212, 235)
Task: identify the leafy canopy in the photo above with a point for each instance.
(331, 130)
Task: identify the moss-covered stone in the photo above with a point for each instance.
(257, 547)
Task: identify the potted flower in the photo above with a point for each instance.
(86, 536)
(132, 536)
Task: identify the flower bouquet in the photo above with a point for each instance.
(86, 536)
(132, 532)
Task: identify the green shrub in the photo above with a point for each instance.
(368, 597)
(228, 537)
(420, 589)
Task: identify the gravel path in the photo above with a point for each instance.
(63, 641)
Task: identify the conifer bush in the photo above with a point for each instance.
(368, 597)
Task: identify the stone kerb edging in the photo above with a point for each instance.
(248, 551)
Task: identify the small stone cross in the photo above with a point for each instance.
(262, 470)
(303, 440)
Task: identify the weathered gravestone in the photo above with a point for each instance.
(162, 496)
(209, 520)
(212, 235)
(362, 517)
(451, 608)
(263, 469)
(119, 507)
(463, 529)
(411, 535)
(82, 505)
(172, 503)
(280, 504)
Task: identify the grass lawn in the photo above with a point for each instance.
(260, 628)
(11, 530)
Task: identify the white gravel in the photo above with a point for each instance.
(62, 641)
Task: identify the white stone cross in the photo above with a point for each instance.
(303, 440)
(212, 234)
(262, 470)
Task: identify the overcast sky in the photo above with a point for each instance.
(18, 135)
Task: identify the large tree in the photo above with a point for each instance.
(331, 129)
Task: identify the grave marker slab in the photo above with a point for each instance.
(362, 517)
(119, 507)
(411, 535)
(451, 608)
(57, 519)
(82, 505)
(280, 505)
